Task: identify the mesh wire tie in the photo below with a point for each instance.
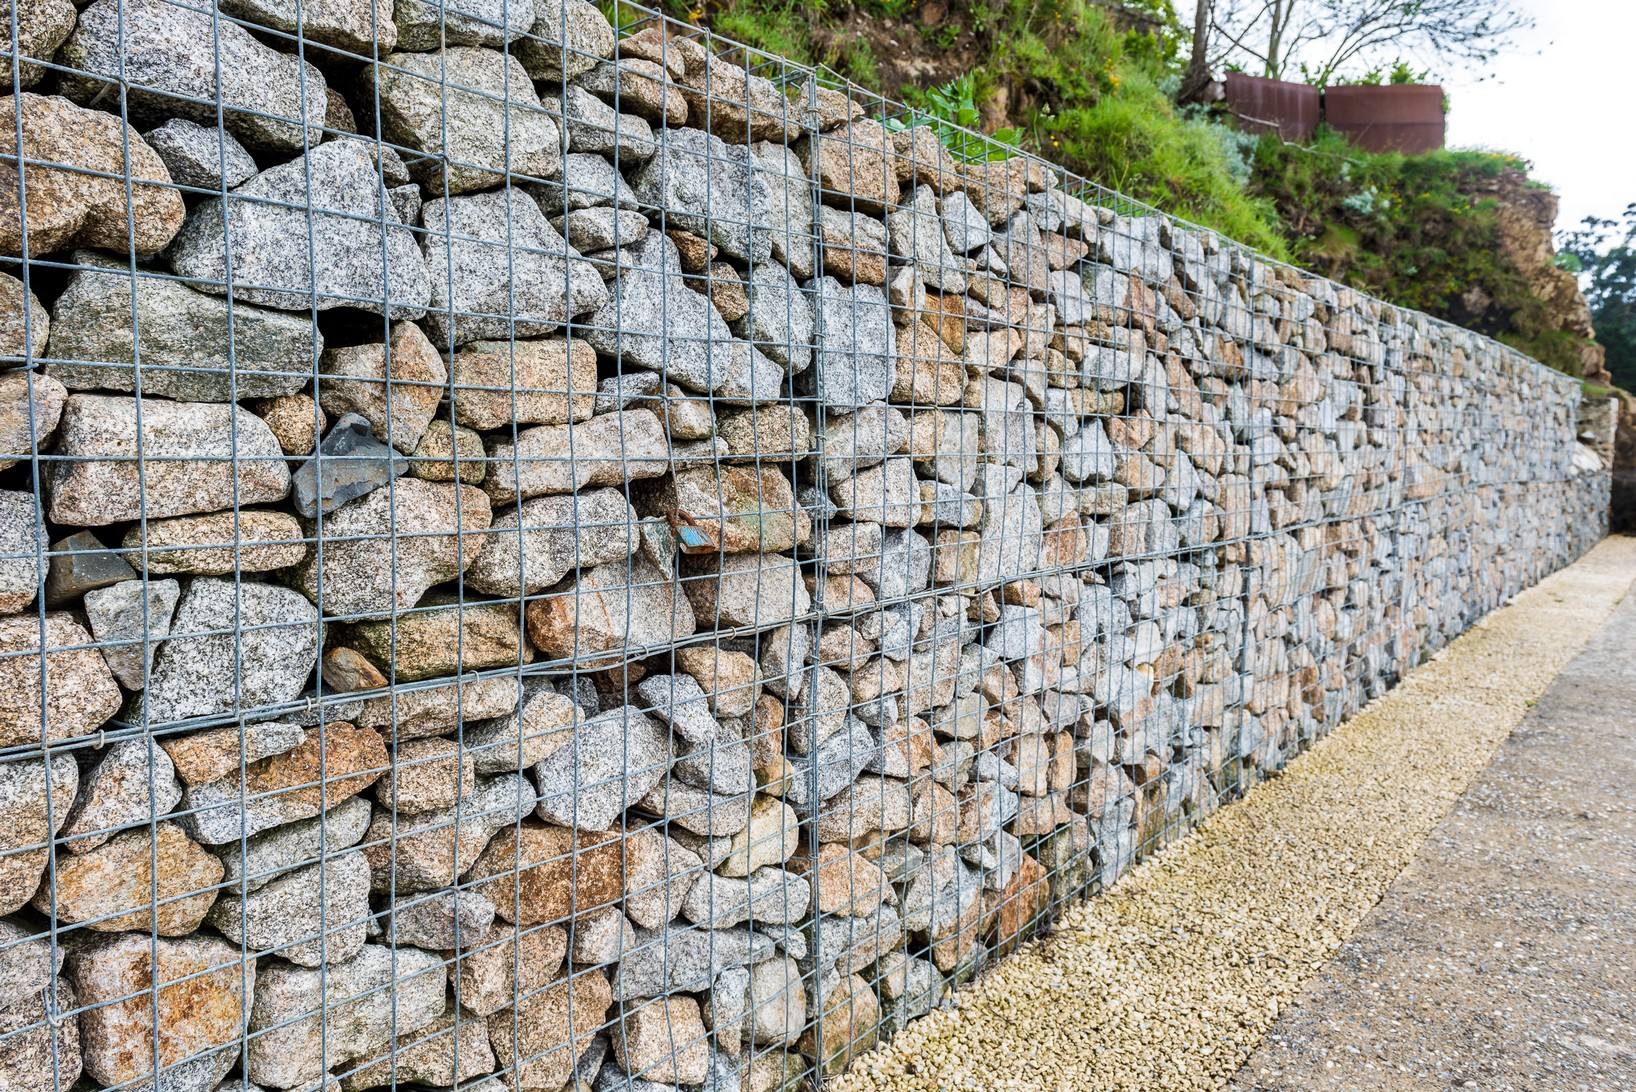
(48, 999)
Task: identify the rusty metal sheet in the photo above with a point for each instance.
(1273, 106)
(1404, 118)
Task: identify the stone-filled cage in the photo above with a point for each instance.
(722, 556)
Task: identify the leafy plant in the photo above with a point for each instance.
(951, 111)
(1605, 251)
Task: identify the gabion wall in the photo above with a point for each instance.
(537, 555)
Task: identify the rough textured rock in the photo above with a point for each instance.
(310, 916)
(251, 541)
(161, 882)
(30, 407)
(531, 547)
(471, 112)
(428, 24)
(854, 364)
(608, 609)
(609, 449)
(567, 38)
(543, 382)
(41, 28)
(215, 662)
(67, 206)
(367, 571)
(181, 337)
(396, 385)
(196, 987)
(498, 269)
(708, 187)
(79, 693)
(611, 762)
(195, 457)
(654, 321)
(22, 543)
(133, 783)
(34, 803)
(550, 1029)
(330, 766)
(329, 200)
(382, 992)
(206, 159)
(349, 463)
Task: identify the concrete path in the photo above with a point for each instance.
(1504, 957)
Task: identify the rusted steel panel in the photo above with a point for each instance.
(1404, 118)
(1273, 106)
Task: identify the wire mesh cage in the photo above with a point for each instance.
(545, 549)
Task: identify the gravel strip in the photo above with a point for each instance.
(1172, 979)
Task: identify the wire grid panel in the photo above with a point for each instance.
(560, 555)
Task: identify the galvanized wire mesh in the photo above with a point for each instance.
(542, 554)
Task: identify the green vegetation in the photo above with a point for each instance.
(1605, 252)
(1095, 92)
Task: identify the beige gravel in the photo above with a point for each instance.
(1171, 979)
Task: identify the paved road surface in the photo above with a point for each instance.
(1504, 958)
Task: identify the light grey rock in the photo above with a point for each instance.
(594, 126)
(904, 564)
(601, 937)
(856, 441)
(26, 962)
(767, 896)
(1012, 531)
(171, 58)
(965, 227)
(441, 921)
(470, 113)
(886, 493)
(780, 320)
(840, 758)
(612, 761)
(181, 336)
(543, 721)
(312, 916)
(382, 551)
(916, 234)
(855, 345)
(29, 796)
(357, 26)
(655, 321)
(207, 158)
(587, 181)
(429, 24)
(233, 646)
(681, 702)
(568, 37)
(361, 255)
(601, 228)
(23, 542)
(789, 204)
(707, 186)
(723, 767)
(196, 457)
(696, 810)
(503, 269)
(134, 784)
(683, 958)
(1088, 456)
(852, 943)
(338, 1013)
(266, 856)
(531, 547)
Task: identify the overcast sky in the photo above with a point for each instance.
(1561, 99)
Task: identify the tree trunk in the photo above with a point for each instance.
(1196, 80)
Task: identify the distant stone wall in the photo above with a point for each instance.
(633, 570)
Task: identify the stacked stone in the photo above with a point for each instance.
(632, 574)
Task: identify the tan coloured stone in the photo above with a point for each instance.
(770, 839)
(927, 372)
(547, 381)
(205, 545)
(425, 774)
(80, 692)
(855, 166)
(448, 453)
(30, 406)
(549, 1030)
(851, 1020)
(486, 974)
(731, 679)
(80, 198)
(663, 1040)
(395, 386)
(441, 639)
(297, 421)
(738, 509)
(147, 997)
(116, 886)
(537, 873)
